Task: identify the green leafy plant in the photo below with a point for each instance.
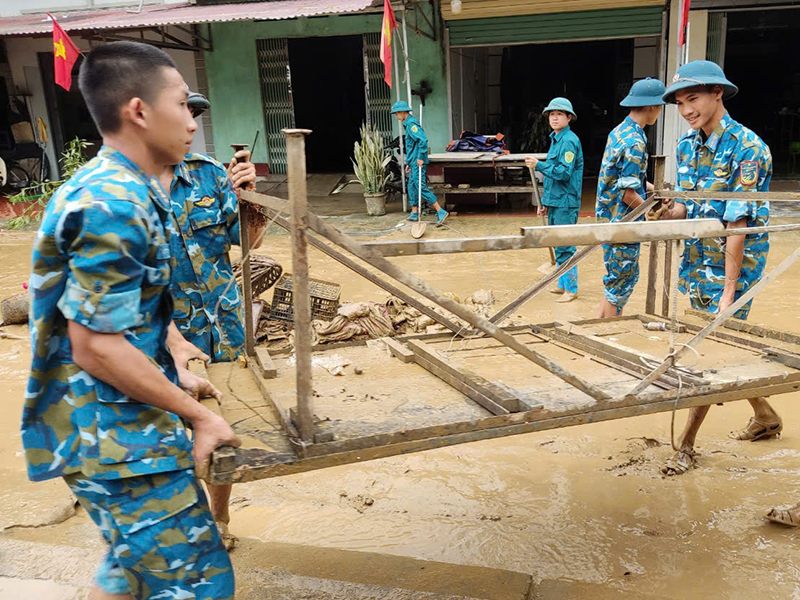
(39, 193)
(370, 160)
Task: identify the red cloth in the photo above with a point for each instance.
(389, 23)
(684, 22)
(65, 53)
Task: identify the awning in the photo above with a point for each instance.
(483, 9)
(176, 14)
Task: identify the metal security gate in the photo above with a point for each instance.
(276, 98)
(378, 94)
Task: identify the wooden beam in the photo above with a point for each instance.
(282, 412)
(719, 320)
(398, 350)
(249, 464)
(742, 196)
(263, 361)
(540, 285)
(751, 328)
(574, 235)
(510, 402)
(665, 294)
(652, 271)
(301, 299)
(247, 292)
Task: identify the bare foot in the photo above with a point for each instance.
(680, 463)
(756, 430)
(789, 517)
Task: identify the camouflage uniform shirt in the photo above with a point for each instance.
(624, 167)
(101, 259)
(207, 309)
(732, 159)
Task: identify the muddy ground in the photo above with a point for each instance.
(580, 512)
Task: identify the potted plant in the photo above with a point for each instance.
(369, 164)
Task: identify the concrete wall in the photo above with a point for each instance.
(674, 125)
(234, 86)
(27, 77)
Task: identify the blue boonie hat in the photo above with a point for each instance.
(647, 92)
(561, 104)
(699, 72)
(400, 106)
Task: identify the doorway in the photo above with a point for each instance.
(327, 79)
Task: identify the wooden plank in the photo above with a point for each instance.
(301, 299)
(743, 196)
(751, 328)
(398, 350)
(263, 362)
(719, 320)
(543, 283)
(509, 401)
(665, 295)
(282, 412)
(461, 386)
(247, 292)
(573, 235)
(249, 464)
(485, 189)
(652, 269)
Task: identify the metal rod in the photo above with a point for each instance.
(719, 320)
(296, 172)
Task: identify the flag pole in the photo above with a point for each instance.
(405, 54)
(400, 131)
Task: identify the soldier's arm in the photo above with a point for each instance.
(241, 174)
(181, 349)
(560, 167)
(107, 264)
(631, 171)
(734, 254)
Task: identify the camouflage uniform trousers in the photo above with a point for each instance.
(622, 272)
(164, 544)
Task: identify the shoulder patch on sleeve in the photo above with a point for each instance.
(748, 172)
(414, 128)
(569, 156)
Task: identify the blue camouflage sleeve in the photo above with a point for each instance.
(107, 244)
(752, 173)
(230, 208)
(633, 165)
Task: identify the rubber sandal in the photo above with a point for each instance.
(756, 430)
(228, 539)
(680, 463)
(789, 517)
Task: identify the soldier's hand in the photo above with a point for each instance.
(196, 386)
(420, 162)
(241, 172)
(210, 432)
(183, 351)
(531, 162)
(408, 169)
(541, 211)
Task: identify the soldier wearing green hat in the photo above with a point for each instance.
(622, 187)
(563, 179)
(719, 154)
(417, 164)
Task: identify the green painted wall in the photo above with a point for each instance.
(234, 88)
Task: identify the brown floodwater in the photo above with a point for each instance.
(583, 505)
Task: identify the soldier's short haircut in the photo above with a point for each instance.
(114, 73)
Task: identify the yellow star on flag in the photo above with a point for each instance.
(59, 49)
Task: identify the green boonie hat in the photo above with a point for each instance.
(647, 92)
(400, 106)
(561, 104)
(699, 72)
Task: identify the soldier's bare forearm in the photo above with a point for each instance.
(734, 254)
(631, 198)
(114, 360)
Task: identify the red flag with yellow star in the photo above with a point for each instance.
(65, 53)
(386, 41)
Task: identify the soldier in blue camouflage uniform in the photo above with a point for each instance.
(104, 408)
(622, 187)
(208, 312)
(719, 154)
(417, 164)
(563, 183)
